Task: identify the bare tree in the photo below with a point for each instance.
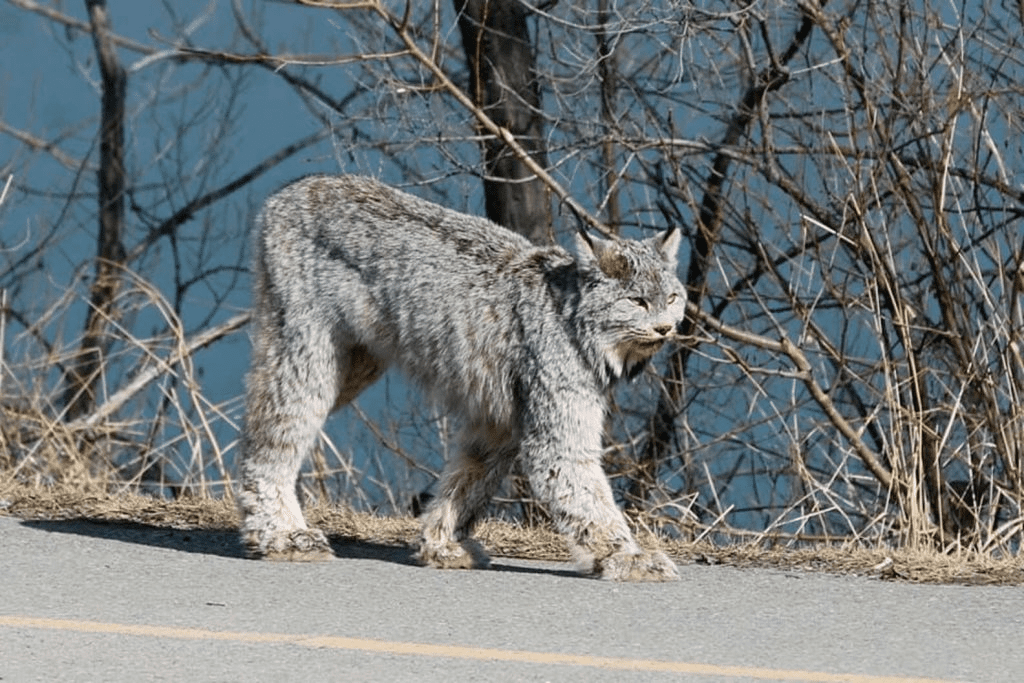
(76, 407)
(79, 394)
(848, 179)
(767, 79)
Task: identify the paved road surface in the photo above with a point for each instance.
(81, 601)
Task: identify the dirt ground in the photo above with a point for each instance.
(505, 539)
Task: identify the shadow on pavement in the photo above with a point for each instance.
(225, 542)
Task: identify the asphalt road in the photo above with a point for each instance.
(81, 601)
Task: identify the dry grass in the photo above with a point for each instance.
(505, 539)
(151, 426)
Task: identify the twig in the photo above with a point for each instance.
(3, 328)
(713, 524)
(805, 374)
(197, 342)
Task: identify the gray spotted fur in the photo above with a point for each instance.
(352, 276)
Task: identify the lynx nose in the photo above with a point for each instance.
(663, 330)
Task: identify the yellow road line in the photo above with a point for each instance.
(448, 651)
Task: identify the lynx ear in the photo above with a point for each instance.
(603, 255)
(668, 243)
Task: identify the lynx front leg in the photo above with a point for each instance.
(568, 477)
(467, 485)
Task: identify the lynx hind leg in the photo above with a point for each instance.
(288, 395)
(281, 425)
(467, 486)
(581, 503)
(274, 447)
(288, 399)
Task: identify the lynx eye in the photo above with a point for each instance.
(672, 298)
(641, 302)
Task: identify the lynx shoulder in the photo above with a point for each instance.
(352, 276)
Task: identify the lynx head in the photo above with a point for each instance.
(632, 301)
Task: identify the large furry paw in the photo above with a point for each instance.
(298, 545)
(633, 566)
(466, 554)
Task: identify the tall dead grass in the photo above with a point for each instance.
(152, 429)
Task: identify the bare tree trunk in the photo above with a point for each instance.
(607, 67)
(502, 82)
(84, 371)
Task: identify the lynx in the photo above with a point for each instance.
(522, 342)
